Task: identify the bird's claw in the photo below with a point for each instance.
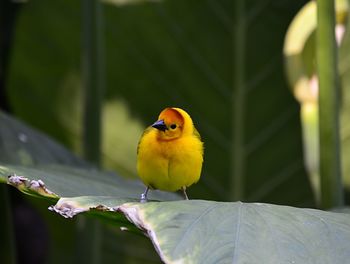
(143, 198)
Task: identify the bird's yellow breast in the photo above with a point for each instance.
(169, 165)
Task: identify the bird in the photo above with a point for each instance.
(170, 153)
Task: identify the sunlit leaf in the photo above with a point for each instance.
(212, 232)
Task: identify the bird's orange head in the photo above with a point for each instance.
(172, 123)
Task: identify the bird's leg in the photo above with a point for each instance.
(144, 196)
(184, 193)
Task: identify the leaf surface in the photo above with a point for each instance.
(200, 231)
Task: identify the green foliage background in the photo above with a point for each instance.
(171, 53)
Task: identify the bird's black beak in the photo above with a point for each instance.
(160, 125)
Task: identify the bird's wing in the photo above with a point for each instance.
(196, 133)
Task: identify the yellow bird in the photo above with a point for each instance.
(170, 153)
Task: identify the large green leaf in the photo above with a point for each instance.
(198, 231)
(158, 54)
(212, 232)
(238, 232)
(61, 181)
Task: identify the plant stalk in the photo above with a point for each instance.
(89, 231)
(237, 183)
(93, 79)
(329, 102)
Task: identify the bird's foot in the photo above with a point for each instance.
(184, 194)
(143, 198)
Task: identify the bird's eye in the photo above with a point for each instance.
(173, 126)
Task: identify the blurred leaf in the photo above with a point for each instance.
(21, 144)
(119, 145)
